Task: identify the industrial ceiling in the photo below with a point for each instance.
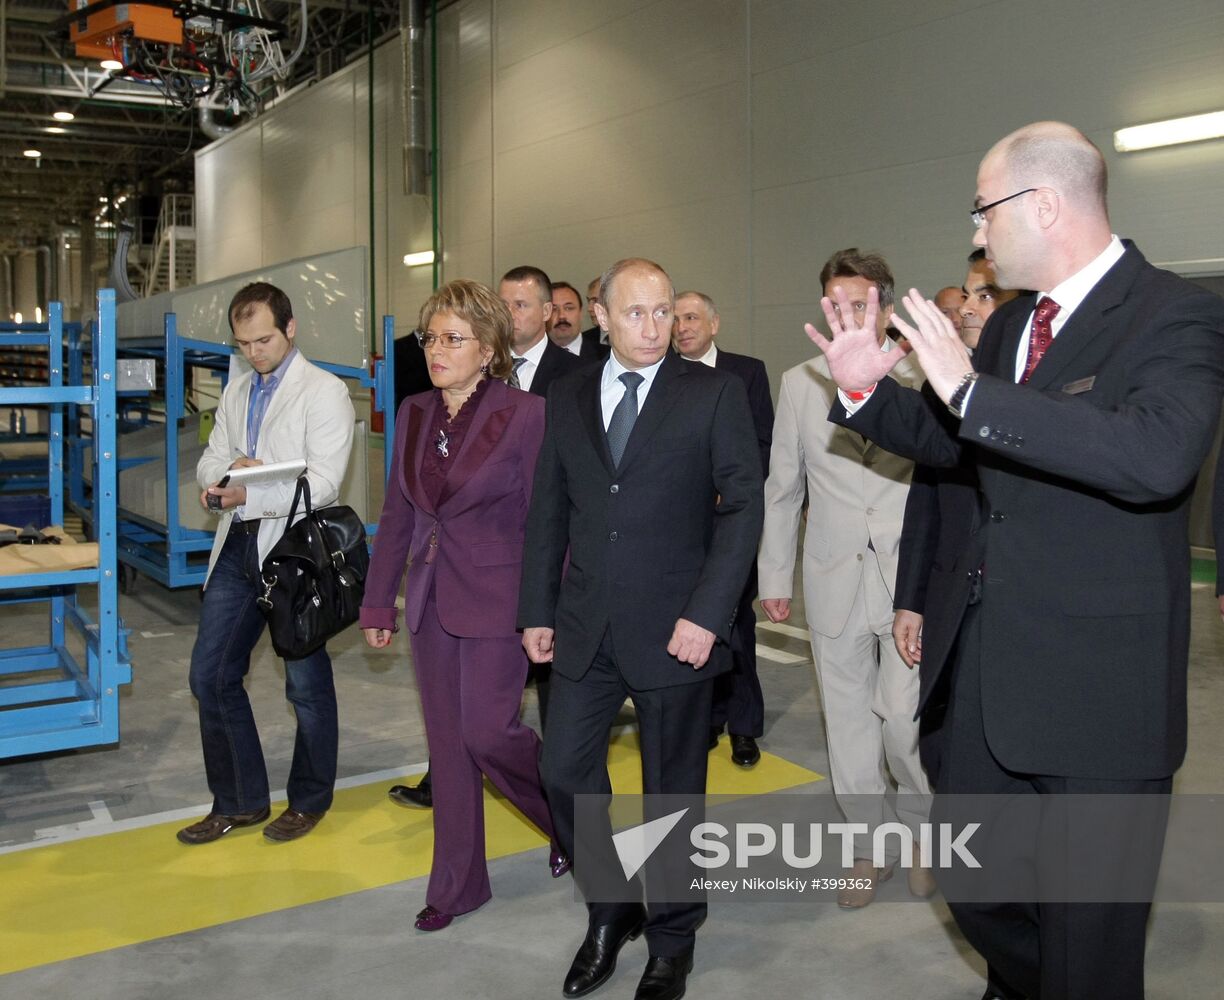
(103, 134)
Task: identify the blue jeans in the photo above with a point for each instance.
(230, 626)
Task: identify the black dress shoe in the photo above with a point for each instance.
(596, 958)
(744, 751)
(664, 978)
(407, 795)
(715, 732)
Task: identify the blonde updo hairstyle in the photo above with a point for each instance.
(483, 311)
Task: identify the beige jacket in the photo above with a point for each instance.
(856, 493)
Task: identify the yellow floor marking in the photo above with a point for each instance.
(89, 895)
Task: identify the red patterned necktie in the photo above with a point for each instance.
(1041, 336)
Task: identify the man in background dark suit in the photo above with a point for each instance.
(537, 363)
(537, 360)
(411, 369)
(923, 538)
(738, 702)
(1087, 411)
(593, 332)
(566, 330)
(650, 479)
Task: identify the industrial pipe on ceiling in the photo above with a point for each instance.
(412, 48)
(210, 126)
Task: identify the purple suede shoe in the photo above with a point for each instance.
(430, 919)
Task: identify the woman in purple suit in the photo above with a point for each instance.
(454, 514)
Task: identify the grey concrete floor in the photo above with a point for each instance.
(363, 947)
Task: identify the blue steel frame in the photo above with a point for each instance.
(163, 552)
(26, 475)
(48, 700)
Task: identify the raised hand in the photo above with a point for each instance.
(940, 351)
(855, 359)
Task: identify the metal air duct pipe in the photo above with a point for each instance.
(412, 48)
(210, 127)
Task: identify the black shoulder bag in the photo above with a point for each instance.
(314, 577)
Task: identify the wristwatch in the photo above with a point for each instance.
(956, 402)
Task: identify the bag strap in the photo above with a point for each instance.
(303, 486)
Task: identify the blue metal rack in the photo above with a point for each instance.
(170, 553)
(25, 475)
(48, 699)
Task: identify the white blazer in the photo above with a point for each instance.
(310, 416)
(856, 493)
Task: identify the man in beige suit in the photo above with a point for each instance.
(856, 501)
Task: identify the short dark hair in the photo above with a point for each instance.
(566, 285)
(260, 293)
(979, 257)
(528, 273)
(852, 263)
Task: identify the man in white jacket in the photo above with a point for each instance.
(285, 408)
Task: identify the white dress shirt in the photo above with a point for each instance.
(574, 346)
(612, 389)
(1069, 295)
(526, 372)
(709, 358)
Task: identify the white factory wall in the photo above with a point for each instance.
(737, 142)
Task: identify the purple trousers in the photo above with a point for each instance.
(471, 691)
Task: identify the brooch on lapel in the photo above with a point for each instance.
(442, 444)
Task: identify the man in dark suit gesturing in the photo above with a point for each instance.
(1086, 410)
(738, 702)
(649, 477)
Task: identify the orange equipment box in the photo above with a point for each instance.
(92, 33)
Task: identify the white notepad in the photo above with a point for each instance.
(275, 472)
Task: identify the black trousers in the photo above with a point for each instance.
(1046, 950)
(738, 702)
(574, 761)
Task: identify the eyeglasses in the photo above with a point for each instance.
(978, 215)
(453, 341)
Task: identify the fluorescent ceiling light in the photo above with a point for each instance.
(63, 116)
(38, 314)
(417, 259)
(55, 129)
(16, 317)
(1170, 133)
(111, 64)
(33, 154)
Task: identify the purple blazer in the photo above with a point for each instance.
(470, 549)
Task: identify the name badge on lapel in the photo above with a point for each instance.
(1079, 385)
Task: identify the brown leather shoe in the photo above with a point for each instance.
(292, 824)
(214, 826)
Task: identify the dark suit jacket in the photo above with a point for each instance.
(1085, 613)
(756, 381)
(411, 369)
(478, 524)
(1217, 521)
(592, 348)
(940, 510)
(554, 362)
(647, 542)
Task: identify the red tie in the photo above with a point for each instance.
(1041, 336)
